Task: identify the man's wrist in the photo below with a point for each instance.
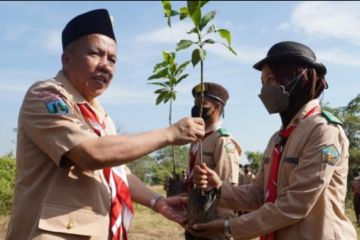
(227, 231)
(154, 200)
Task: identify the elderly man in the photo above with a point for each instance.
(67, 186)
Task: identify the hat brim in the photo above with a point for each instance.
(293, 58)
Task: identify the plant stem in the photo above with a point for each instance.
(202, 96)
(172, 146)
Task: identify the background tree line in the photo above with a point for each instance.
(155, 167)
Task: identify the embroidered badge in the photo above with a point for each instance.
(330, 155)
(230, 147)
(56, 105)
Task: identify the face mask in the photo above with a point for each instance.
(276, 99)
(195, 112)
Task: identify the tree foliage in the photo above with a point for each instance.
(254, 159)
(350, 115)
(7, 183)
(154, 168)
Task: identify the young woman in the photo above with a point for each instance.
(299, 191)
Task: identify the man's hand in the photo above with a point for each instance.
(205, 178)
(173, 208)
(186, 130)
(210, 229)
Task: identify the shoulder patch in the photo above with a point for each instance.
(331, 118)
(223, 132)
(230, 147)
(56, 105)
(330, 155)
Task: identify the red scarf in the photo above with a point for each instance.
(275, 163)
(122, 209)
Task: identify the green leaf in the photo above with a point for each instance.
(174, 13)
(209, 41)
(182, 78)
(226, 35)
(194, 11)
(181, 68)
(167, 11)
(158, 84)
(160, 98)
(212, 28)
(183, 13)
(183, 44)
(206, 19)
(194, 30)
(202, 3)
(168, 57)
(197, 55)
(158, 66)
(160, 74)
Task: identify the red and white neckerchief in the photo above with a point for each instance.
(275, 163)
(122, 209)
(193, 154)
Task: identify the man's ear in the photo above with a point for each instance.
(66, 59)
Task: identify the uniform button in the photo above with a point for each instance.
(70, 225)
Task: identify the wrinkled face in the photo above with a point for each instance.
(89, 64)
(267, 76)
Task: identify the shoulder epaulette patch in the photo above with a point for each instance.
(331, 118)
(223, 132)
(56, 106)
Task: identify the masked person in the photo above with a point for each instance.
(299, 191)
(221, 152)
(71, 178)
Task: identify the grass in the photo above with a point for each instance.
(148, 225)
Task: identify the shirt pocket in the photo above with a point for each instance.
(69, 221)
(287, 166)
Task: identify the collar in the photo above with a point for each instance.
(304, 111)
(77, 98)
(213, 127)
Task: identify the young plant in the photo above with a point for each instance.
(202, 30)
(168, 75)
(201, 205)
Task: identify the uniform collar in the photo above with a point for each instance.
(304, 111)
(76, 97)
(213, 127)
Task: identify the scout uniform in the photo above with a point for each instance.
(54, 198)
(246, 178)
(311, 185)
(221, 152)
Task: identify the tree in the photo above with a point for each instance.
(254, 159)
(171, 75)
(7, 183)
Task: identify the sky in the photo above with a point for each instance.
(31, 51)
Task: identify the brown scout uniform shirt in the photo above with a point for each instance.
(221, 152)
(311, 186)
(246, 178)
(54, 201)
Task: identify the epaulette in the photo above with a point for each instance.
(331, 118)
(223, 132)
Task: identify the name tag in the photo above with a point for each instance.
(292, 160)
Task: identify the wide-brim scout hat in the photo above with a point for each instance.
(212, 90)
(293, 52)
(96, 21)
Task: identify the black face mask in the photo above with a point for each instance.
(275, 98)
(195, 112)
